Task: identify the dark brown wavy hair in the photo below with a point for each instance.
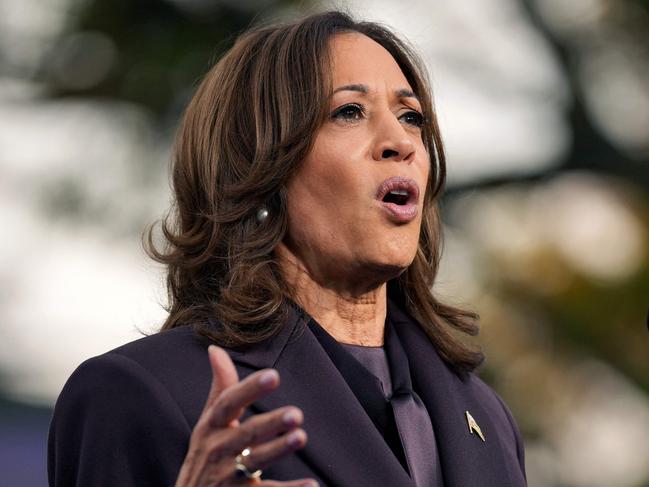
(243, 136)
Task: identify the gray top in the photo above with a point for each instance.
(375, 360)
(411, 417)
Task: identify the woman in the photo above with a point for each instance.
(305, 241)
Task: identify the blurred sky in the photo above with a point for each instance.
(542, 228)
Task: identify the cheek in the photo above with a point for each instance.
(330, 184)
(425, 163)
(312, 199)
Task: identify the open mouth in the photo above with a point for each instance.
(397, 196)
(399, 191)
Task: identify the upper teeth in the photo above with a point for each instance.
(400, 192)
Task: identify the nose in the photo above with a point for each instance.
(392, 142)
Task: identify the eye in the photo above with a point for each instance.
(413, 118)
(348, 113)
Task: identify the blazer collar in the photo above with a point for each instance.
(344, 447)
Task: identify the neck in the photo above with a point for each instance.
(350, 317)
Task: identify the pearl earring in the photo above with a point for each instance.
(262, 214)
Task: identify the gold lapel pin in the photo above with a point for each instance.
(473, 426)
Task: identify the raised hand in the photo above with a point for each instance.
(219, 436)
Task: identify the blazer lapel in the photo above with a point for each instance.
(344, 447)
(465, 458)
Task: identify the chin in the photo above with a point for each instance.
(399, 253)
(394, 266)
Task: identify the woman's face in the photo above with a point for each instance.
(355, 205)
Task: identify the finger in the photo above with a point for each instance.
(224, 374)
(231, 402)
(260, 428)
(261, 456)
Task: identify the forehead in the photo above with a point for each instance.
(358, 59)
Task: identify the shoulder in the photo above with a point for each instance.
(121, 413)
(500, 415)
(490, 400)
(164, 366)
(170, 356)
(165, 348)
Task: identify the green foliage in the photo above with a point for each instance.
(150, 52)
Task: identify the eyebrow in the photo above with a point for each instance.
(401, 93)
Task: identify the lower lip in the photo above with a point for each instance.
(401, 213)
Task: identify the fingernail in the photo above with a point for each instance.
(268, 378)
(290, 418)
(294, 439)
(311, 483)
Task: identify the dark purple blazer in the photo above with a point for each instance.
(124, 418)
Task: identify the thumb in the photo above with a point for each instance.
(224, 374)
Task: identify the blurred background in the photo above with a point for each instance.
(544, 107)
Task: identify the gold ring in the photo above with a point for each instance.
(241, 470)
